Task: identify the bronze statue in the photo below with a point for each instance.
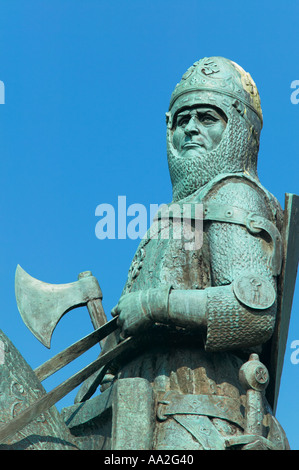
(201, 330)
(219, 304)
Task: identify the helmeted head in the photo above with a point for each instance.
(213, 125)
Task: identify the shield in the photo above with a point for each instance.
(286, 286)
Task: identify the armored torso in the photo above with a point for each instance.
(175, 363)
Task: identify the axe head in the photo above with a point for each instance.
(42, 305)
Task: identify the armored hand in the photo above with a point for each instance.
(137, 311)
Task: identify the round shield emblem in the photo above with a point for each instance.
(254, 291)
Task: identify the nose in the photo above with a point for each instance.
(192, 128)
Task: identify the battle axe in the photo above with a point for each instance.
(42, 305)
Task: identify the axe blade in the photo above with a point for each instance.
(41, 305)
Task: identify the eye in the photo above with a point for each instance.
(183, 121)
(207, 118)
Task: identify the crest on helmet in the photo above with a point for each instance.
(217, 80)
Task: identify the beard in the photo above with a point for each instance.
(237, 152)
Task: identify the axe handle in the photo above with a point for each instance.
(95, 308)
(96, 312)
(97, 316)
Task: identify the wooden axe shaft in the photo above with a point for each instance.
(95, 308)
(96, 312)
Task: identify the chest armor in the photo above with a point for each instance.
(166, 256)
(162, 259)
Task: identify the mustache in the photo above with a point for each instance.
(193, 144)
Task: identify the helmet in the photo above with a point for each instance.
(221, 83)
(220, 80)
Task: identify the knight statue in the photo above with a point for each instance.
(208, 320)
(203, 312)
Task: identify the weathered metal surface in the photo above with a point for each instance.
(254, 291)
(254, 377)
(137, 432)
(90, 385)
(226, 292)
(42, 305)
(215, 406)
(80, 414)
(192, 314)
(45, 402)
(254, 224)
(66, 356)
(286, 288)
(19, 388)
(90, 423)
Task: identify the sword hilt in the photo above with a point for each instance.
(254, 377)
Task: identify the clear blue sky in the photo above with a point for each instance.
(87, 85)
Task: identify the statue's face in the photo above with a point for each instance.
(198, 130)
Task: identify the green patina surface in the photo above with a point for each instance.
(210, 321)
